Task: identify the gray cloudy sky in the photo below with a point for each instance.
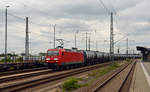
(132, 18)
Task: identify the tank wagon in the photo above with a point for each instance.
(65, 58)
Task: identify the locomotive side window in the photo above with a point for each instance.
(52, 53)
(62, 53)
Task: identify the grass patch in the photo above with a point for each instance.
(128, 60)
(115, 65)
(71, 84)
(84, 85)
(102, 71)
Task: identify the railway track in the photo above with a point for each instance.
(32, 82)
(21, 71)
(115, 81)
(20, 76)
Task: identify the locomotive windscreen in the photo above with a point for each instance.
(52, 53)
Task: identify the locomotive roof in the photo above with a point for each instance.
(63, 49)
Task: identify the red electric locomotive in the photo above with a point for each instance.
(62, 58)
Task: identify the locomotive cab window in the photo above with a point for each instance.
(52, 53)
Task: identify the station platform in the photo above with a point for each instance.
(141, 78)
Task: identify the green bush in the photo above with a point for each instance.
(71, 84)
(19, 59)
(8, 60)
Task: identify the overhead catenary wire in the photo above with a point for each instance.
(113, 8)
(32, 22)
(16, 16)
(111, 31)
(104, 6)
(42, 24)
(21, 18)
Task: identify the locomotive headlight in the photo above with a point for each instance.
(47, 58)
(55, 58)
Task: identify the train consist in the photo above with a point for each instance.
(58, 59)
(16, 63)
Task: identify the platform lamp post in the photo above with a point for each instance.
(6, 34)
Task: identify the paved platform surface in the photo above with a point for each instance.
(141, 78)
